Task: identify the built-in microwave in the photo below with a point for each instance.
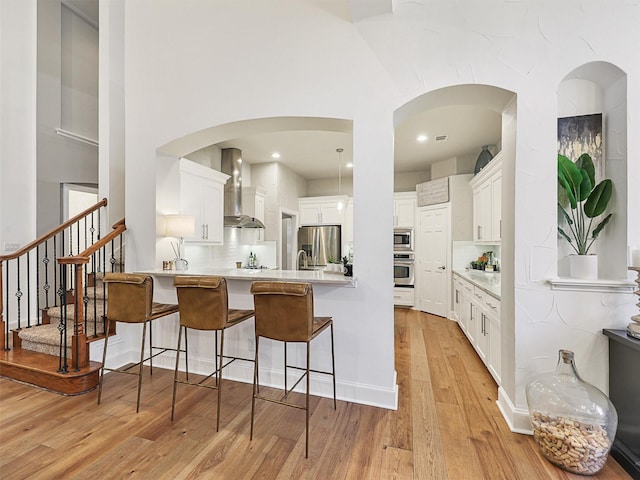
(403, 239)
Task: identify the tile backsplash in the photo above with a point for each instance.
(464, 252)
(225, 256)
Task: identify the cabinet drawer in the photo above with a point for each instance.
(479, 295)
(403, 296)
(466, 287)
(492, 305)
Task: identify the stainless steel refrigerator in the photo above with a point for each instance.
(320, 243)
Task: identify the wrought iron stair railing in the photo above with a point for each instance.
(54, 272)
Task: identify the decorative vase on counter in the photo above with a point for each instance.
(574, 423)
(583, 267)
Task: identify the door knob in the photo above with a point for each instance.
(442, 267)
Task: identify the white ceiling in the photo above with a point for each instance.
(312, 154)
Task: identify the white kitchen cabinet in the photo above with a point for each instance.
(478, 314)
(202, 195)
(481, 334)
(462, 303)
(322, 210)
(487, 203)
(347, 230)
(492, 320)
(253, 205)
(404, 209)
(403, 296)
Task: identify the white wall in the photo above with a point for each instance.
(384, 62)
(67, 98)
(111, 125)
(17, 122)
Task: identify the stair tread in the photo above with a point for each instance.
(47, 334)
(56, 312)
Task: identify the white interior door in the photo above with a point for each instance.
(433, 264)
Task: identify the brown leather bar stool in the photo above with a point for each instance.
(204, 305)
(130, 300)
(284, 312)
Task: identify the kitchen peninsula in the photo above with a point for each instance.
(251, 274)
(329, 295)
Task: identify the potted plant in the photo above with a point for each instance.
(331, 264)
(584, 202)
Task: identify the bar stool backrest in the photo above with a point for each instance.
(284, 310)
(130, 297)
(203, 302)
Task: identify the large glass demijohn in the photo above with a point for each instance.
(574, 423)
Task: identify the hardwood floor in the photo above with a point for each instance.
(447, 426)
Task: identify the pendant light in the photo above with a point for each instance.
(340, 204)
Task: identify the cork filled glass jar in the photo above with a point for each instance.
(573, 422)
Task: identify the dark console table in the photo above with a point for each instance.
(624, 392)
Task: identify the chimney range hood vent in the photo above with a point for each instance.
(233, 215)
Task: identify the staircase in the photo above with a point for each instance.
(53, 301)
(45, 338)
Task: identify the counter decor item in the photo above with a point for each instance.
(574, 423)
(179, 226)
(348, 267)
(583, 201)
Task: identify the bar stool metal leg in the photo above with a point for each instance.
(104, 359)
(306, 442)
(333, 368)
(255, 386)
(175, 372)
(144, 332)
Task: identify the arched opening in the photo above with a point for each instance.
(283, 159)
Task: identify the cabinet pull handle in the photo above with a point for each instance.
(202, 228)
(207, 229)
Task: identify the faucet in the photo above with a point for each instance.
(304, 257)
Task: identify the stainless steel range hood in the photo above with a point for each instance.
(233, 214)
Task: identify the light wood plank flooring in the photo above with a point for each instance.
(447, 426)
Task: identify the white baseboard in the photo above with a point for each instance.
(516, 418)
(241, 371)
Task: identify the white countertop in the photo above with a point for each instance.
(311, 276)
(487, 281)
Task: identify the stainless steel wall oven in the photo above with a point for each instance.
(403, 265)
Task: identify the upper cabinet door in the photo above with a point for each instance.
(404, 209)
(202, 195)
(322, 210)
(496, 206)
(487, 203)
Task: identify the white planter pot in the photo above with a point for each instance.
(584, 267)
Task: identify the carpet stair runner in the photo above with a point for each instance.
(46, 338)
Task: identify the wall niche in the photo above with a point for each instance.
(601, 87)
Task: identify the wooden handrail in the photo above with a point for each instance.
(84, 257)
(55, 231)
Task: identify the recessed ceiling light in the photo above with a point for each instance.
(349, 165)
(275, 155)
(421, 138)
